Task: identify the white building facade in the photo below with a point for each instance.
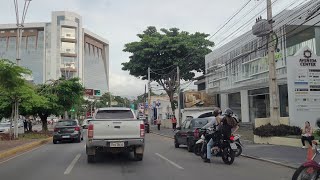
(60, 48)
(237, 72)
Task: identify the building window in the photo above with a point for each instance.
(67, 47)
(2, 31)
(65, 60)
(60, 18)
(12, 31)
(31, 42)
(69, 33)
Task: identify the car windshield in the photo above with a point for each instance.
(67, 123)
(114, 114)
(198, 123)
(4, 125)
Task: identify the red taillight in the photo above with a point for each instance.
(56, 129)
(90, 131)
(77, 128)
(141, 130)
(196, 133)
(232, 138)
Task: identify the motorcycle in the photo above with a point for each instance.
(221, 148)
(236, 139)
(309, 170)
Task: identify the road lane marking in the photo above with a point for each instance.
(22, 154)
(171, 162)
(70, 167)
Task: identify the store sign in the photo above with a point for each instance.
(303, 87)
(193, 99)
(88, 92)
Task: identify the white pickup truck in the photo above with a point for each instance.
(115, 129)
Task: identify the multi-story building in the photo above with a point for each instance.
(237, 72)
(60, 48)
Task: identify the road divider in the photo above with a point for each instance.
(22, 148)
(171, 162)
(72, 164)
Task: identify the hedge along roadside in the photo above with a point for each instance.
(281, 130)
(22, 148)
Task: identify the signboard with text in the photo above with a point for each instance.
(88, 92)
(303, 74)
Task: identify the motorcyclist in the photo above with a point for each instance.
(229, 124)
(215, 120)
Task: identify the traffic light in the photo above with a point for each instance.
(97, 92)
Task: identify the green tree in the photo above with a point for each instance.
(166, 50)
(70, 93)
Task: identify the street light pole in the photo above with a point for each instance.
(179, 105)
(149, 97)
(273, 87)
(18, 40)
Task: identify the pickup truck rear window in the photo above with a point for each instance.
(67, 123)
(114, 114)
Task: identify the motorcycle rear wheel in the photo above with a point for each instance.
(302, 173)
(228, 155)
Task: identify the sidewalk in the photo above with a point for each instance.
(287, 156)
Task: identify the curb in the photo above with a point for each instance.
(24, 147)
(247, 156)
(269, 161)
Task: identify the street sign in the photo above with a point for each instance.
(97, 92)
(88, 92)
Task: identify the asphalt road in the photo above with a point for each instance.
(161, 162)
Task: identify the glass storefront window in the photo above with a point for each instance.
(284, 104)
(259, 103)
(235, 103)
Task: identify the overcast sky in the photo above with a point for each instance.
(120, 20)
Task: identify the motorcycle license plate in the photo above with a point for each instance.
(233, 146)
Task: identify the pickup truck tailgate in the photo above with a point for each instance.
(116, 129)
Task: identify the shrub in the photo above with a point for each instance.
(269, 130)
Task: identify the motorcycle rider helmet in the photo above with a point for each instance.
(216, 112)
(228, 112)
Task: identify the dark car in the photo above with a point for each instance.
(188, 133)
(67, 130)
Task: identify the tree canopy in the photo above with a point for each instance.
(163, 51)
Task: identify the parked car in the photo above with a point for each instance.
(85, 123)
(115, 130)
(188, 133)
(5, 128)
(67, 130)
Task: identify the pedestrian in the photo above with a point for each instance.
(159, 123)
(30, 125)
(25, 125)
(307, 134)
(174, 122)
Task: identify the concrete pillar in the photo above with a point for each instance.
(244, 106)
(224, 101)
(317, 38)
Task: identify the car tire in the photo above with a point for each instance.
(176, 144)
(78, 140)
(82, 138)
(138, 157)
(189, 146)
(91, 158)
(55, 141)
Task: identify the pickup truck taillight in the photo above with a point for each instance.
(196, 133)
(141, 130)
(90, 131)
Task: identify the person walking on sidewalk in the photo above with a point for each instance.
(159, 123)
(174, 122)
(25, 125)
(30, 125)
(307, 134)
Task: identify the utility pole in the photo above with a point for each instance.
(273, 87)
(179, 105)
(149, 96)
